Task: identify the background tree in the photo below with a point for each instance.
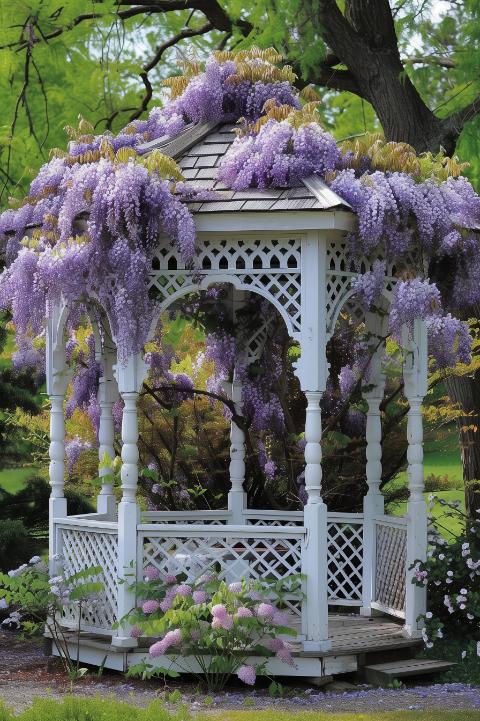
(408, 67)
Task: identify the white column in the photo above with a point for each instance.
(415, 378)
(56, 452)
(237, 498)
(311, 370)
(128, 518)
(373, 502)
(314, 564)
(107, 395)
(57, 380)
(129, 378)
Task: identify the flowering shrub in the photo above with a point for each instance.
(218, 624)
(36, 601)
(452, 576)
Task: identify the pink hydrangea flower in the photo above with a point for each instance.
(135, 632)
(280, 618)
(276, 644)
(219, 611)
(236, 587)
(225, 622)
(284, 655)
(170, 578)
(199, 596)
(150, 606)
(152, 573)
(166, 604)
(216, 622)
(266, 610)
(184, 590)
(172, 638)
(244, 612)
(247, 675)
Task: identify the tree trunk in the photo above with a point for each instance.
(465, 390)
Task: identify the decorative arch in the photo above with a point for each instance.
(210, 280)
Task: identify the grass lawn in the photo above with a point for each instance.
(97, 709)
(13, 479)
(275, 715)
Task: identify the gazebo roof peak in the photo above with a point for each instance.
(198, 150)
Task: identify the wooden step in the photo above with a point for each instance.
(381, 673)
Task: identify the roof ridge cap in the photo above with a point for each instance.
(173, 147)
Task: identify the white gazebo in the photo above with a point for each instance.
(288, 246)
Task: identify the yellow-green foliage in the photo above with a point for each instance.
(155, 162)
(254, 64)
(401, 157)
(74, 708)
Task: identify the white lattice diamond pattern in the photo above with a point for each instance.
(232, 558)
(269, 265)
(391, 550)
(85, 549)
(345, 561)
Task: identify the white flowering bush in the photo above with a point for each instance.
(452, 576)
(36, 601)
(218, 624)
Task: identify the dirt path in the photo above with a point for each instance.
(25, 673)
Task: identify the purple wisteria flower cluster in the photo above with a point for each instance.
(90, 224)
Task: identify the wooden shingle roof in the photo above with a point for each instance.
(198, 151)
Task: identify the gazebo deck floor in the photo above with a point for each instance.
(356, 642)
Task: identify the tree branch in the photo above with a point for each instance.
(457, 120)
(439, 60)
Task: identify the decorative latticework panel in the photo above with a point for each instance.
(231, 557)
(390, 574)
(345, 562)
(341, 271)
(269, 266)
(83, 549)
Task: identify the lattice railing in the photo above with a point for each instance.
(345, 559)
(273, 553)
(83, 547)
(390, 566)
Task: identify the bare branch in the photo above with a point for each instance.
(439, 60)
(457, 120)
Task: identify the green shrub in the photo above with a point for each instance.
(16, 544)
(93, 709)
(434, 483)
(451, 573)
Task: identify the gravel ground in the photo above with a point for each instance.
(25, 673)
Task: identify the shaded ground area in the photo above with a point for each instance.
(25, 672)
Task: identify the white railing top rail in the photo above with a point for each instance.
(183, 515)
(252, 513)
(340, 516)
(242, 532)
(396, 521)
(86, 524)
(93, 516)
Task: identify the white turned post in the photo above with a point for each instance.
(373, 502)
(56, 452)
(129, 378)
(415, 378)
(312, 373)
(107, 395)
(57, 381)
(314, 564)
(237, 498)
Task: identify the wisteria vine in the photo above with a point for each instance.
(90, 223)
